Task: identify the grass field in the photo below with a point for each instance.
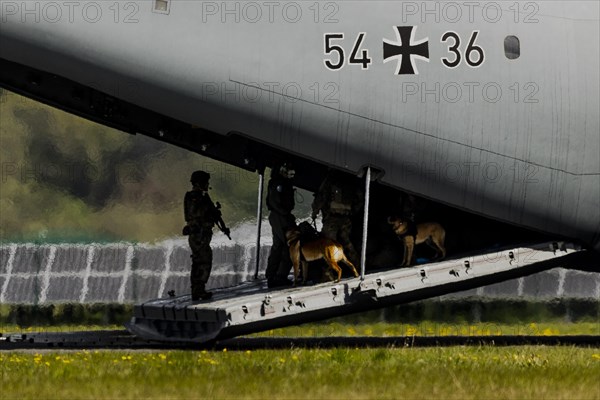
(432, 328)
(344, 328)
(531, 372)
(449, 373)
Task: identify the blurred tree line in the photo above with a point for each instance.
(65, 178)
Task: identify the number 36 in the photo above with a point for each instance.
(472, 60)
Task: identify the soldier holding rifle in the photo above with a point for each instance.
(201, 214)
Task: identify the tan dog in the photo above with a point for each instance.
(432, 233)
(321, 248)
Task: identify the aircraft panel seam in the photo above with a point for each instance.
(423, 133)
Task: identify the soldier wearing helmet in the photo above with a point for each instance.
(200, 216)
(339, 198)
(280, 202)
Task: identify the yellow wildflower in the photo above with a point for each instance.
(547, 332)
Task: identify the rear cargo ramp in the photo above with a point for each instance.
(251, 307)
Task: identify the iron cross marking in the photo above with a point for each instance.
(405, 50)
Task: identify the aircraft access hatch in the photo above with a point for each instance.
(251, 307)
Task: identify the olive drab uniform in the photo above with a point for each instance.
(339, 198)
(200, 215)
(280, 202)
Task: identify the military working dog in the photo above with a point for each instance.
(315, 249)
(411, 234)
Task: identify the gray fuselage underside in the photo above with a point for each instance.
(530, 163)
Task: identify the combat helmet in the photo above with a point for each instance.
(200, 177)
(287, 170)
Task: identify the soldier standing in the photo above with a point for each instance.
(200, 217)
(338, 198)
(280, 202)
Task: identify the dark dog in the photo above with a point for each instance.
(432, 233)
(315, 249)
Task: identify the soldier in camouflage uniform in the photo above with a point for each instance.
(200, 217)
(280, 202)
(339, 198)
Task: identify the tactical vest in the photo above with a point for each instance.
(340, 201)
(280, 194)
(200, 209)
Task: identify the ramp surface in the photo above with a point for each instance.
(251, 307)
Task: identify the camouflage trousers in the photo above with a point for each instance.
(339, 227)
(201, 258)
(279, 263)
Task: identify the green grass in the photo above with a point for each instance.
(432, 328)
(341, 328)
(452, 373)
(12, 328)
(531, 372)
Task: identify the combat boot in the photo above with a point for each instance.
(279, 282)
(199, 293)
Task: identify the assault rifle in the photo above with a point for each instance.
(220, 223)
(187, 230)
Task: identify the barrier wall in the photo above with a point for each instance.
(133, 273)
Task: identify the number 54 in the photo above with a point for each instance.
(339, 60)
